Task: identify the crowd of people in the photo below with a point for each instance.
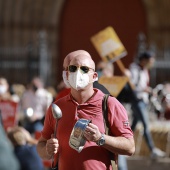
(32, 102)
(80, 97)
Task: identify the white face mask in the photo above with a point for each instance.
(3, 89)
(78, 80)
(65, 79)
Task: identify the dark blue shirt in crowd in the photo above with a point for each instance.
(28, 157)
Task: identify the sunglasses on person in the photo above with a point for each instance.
(84, 69)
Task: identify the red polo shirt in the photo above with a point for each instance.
(92, 156)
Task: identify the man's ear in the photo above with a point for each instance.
(95, 76)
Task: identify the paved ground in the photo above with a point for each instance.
(145, 163)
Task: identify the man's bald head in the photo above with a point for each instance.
(73, 54)
(83, 60)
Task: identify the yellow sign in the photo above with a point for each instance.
(114, 84)
(108, 45)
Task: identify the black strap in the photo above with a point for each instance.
(105, 113)
(113, 156)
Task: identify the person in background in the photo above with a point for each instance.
(138, 97)
(8, 102)
(84, 101)
(100, 71)
(4, 91)
(33, 105)
(52, 91)
(140, 75)
(140, 78)
(8, 159)
(105, 69)
(62, 90)
(25, 148)
(16, 90)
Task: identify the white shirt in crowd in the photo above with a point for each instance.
(140, 78)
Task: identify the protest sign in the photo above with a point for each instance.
(9, 113)
(114, 84)
(108, 45)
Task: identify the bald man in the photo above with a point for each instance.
(67, 60)
(85, 102)
(66, 63)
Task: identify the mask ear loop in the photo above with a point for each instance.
(96, 79)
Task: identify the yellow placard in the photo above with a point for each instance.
(108, 45)
(114, 84)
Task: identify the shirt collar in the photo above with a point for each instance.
(92, 101)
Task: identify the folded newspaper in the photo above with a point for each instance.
(77, 140)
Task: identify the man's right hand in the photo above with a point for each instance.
(52, 146)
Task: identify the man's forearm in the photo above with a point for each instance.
(120, 145)
(41, 148)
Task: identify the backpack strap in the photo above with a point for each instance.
(113, 157)
(105, 113)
